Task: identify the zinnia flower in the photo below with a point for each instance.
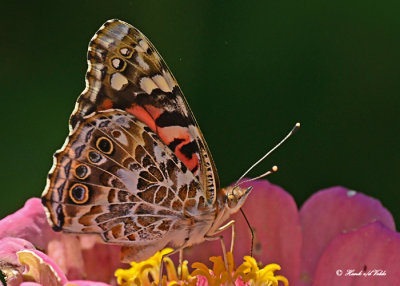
(336, 234)
(336, 231)
(28, 242)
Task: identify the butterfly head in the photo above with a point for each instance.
(230, 200)
(234, 197)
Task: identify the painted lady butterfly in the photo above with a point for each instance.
(135, 167)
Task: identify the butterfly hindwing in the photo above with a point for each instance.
(114, 176)
(126, 72)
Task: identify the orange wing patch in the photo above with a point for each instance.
(143, 115)
(176, 137)
(107, 104)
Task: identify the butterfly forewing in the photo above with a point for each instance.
(117, 178)
(126, 72)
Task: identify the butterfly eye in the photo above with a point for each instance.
(94, 157)
(126, 52)
(118, 64)
(81, 172)
(104, 145)
(79, 193)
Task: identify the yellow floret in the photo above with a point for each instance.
(146, 273)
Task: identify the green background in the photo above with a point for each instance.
(249, 70)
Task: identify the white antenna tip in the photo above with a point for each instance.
(274, 168)
(295, 128)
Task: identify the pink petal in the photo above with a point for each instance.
(29, 223)
(30, 284)
(273, 214)
(9, 246)
(331, 212)
(85, 283)
(75, 256)
(9, 263)
(101, 261)
(83, 257)
(67, 254)
(366, 250)
(41, 268)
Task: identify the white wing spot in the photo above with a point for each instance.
(119, 31)
(144, 45)
(129, 179)
(117, 63)
(126, 52)
(142, 63)
(97, 68)
(95, 86)
(162, 83)
(147, 84)
(120, 136)
(105, 41)
(118, 81)
(170, 80)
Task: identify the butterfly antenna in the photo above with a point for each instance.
(275, 168)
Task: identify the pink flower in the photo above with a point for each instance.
(336, 231)
(339, 237)
(67, 258)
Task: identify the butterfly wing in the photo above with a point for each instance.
(115, 177)
(126, 72)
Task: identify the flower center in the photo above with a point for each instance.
(147, 272)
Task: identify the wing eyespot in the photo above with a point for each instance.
(105, 145)
(79, 193)
(94, 157)
(81, 172)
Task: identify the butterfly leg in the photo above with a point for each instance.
(214, 236)
(222, 228)
(221, 239)
(180, 263)
(162, 262)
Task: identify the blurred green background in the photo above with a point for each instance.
(249, 69)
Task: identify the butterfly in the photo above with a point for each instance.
(135, 168)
